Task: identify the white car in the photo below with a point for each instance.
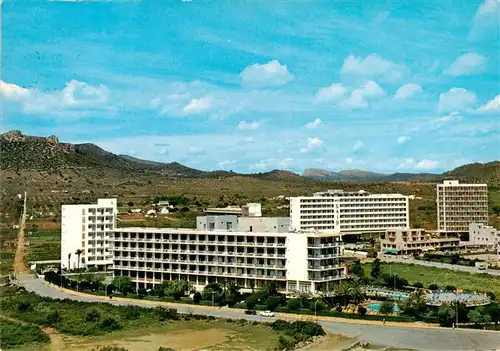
(266, 314)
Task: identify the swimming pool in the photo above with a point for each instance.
(375, 306)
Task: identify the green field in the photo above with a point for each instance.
(43, 245)
(441, 277)
(18, 335)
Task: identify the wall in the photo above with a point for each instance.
(264, 224)
(296, 257)
(71, 233)
(219, 222)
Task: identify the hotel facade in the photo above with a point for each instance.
(458, 205)
(247, 250)
(87, 228)
(349, 212)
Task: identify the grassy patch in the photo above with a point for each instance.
(43, 245)
(442, 277)
(18, 335)
(88, 322)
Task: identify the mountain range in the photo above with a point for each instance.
(23, 152)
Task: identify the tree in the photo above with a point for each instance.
(357, 269)
(142, 292)
(69, 262)
(197, 298)
(418, 285)
(387, 307)
(78, 253)
(450, 288)
(479, 317)
(130, 204)
(375, 269)
(348, 289)
(493, 309)
(123, 284)
(251, 301)
(272, 302)
(293, 304)
(210, 290)
(433, 287)
(446, 315)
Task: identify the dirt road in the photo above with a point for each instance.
(19, 266)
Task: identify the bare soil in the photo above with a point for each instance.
(179, 340)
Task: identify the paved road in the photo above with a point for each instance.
(390, 336)
(454, 267)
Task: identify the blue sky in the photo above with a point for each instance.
(384, 86)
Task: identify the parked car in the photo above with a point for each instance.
(252, 312)
(266, 314)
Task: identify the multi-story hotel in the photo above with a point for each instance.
(458, 205)
(248, 250)
(87, 228)
(415, 241)
(349, 212)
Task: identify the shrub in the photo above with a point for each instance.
(272, 302)
(142, 292)
(164, 314)
(293, 304)
(197, 298)
(386, 307)
(109, 348)
(450, 288)
(52, 318)
(132, 312)
(338, 308)
(418, 285)
(251, 301)
(16, 335)
(433, 287)
(362, 310)
(110, 324)
(93, 316)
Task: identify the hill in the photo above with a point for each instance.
(476, 172)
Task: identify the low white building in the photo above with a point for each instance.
(415, 241)
(483, 236)
(87, 228)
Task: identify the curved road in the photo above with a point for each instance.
(407, 337)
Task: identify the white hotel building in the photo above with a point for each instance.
(87, 228)
(459, 205)
(248, 251)
(343, 212)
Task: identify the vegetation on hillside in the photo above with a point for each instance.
(14, 334)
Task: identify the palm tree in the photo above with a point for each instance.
(78, 253)
(69, 262)
(345, 289)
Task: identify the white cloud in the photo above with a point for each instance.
(244, 125)
(372, 66)
(407, 91)
(226, 164)
(427, 164)
(358, 146)
(358, 98)
(456, 99)
(75, 99)
(12, 91)
(273, 163)
(272, 73)
(486, 16)
(452, 117)
(200, 105)
(491, 106)
(349, 160)
(312, 143)
(467, 64)
(313, 124)
(412, 164)
(194, 150)
(331, 93)
(403, 139)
